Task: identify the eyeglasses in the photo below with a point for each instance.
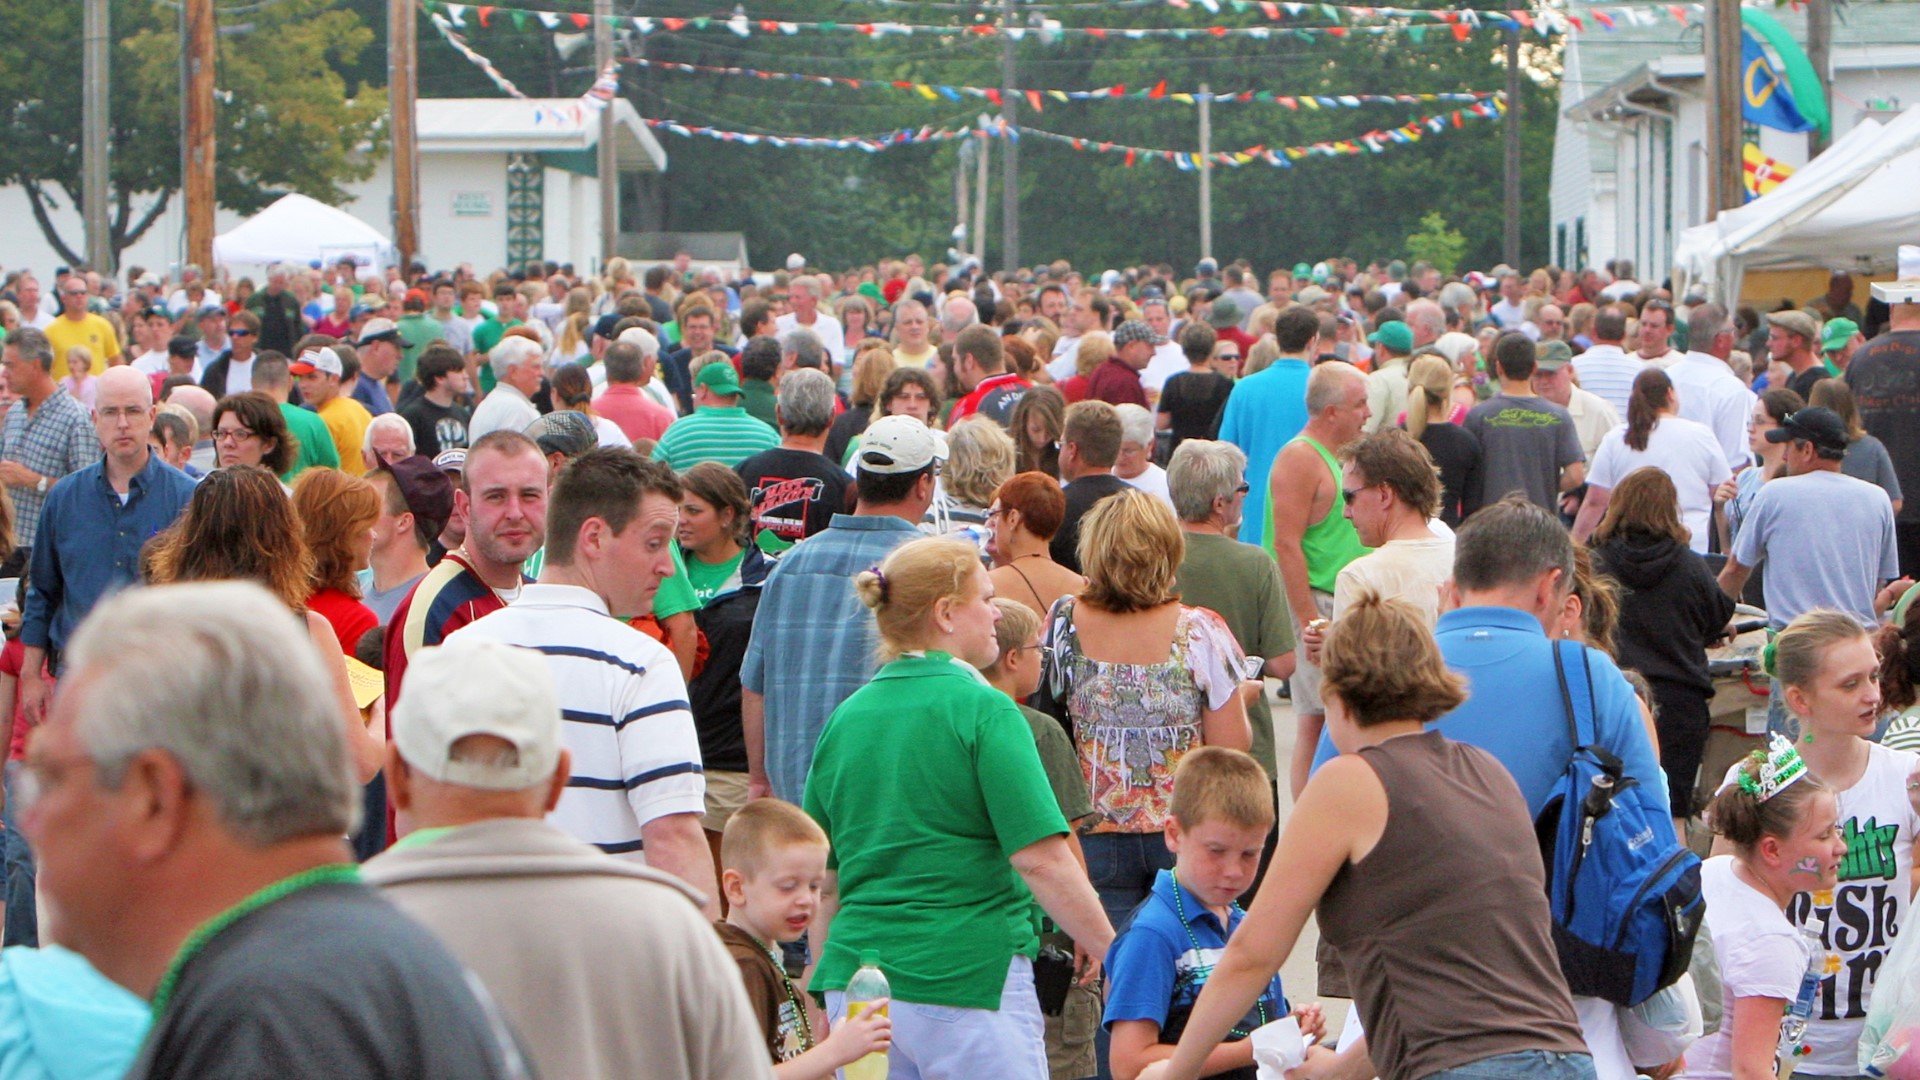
(1350, 494)
(233, 434)
(1243, 488)
(239, 333)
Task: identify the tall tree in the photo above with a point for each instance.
(283, 121)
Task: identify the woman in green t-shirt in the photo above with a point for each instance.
(928, 782)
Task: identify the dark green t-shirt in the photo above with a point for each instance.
(927, 780)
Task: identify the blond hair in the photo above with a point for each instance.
(763, 828)
(1096, 348)
(979, 459)
(1214, 783)
(1799, 650)
(1429, 383)
(1381, 661)
(1130, 547)
(1017, 626)
(903, 589)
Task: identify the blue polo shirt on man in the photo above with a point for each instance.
(89, 544)
(1513, 708)
(1159, 962)
(1265, 410)
(814, 643)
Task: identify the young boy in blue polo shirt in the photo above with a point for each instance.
(1222, 810)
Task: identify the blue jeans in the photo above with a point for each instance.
(1122, 867)
(1525, 1065)
(22, 924)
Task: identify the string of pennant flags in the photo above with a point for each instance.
(1037, 98)
(1346, 21)
(1375, 141)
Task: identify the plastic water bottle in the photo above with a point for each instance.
(867, 986)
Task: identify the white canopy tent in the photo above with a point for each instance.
(297, 229)
(1847, 209)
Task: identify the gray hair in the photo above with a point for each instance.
(1136, 425)
(1202, 471)
(1704, 323)
(1328, 382)
(806, 401)
(980, 457)
(624, 361)
(1511, 542)
(1427, 315)
(806, 346)
(388, 420)
(641, 338)
(511, 353)
(224, 679)
(1457, 296)
(32, 344)
(957, 313)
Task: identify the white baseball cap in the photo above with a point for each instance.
(898, 444)
(472, 687)
(322, 359)
(796, 261)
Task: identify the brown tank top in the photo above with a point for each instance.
(1443, 927)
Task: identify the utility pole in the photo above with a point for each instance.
(93, 145)
(1010, 162)
(1206, 171)
(1820, 54)
(1510, 191)
(962, 201)
(197, 148)
(1726, 189)
(402, 91)
(608, 161)
(981, 186)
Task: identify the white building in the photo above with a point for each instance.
(1630, 148)
(502, 181)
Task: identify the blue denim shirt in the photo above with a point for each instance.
(814, 643)
(89, 544)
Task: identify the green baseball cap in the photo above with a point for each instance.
(1836, 333)
(1551, 356)
(1301, 270)
(719, 377)
(1395, 336)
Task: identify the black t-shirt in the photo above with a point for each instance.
(436, 427)
(1457, 455)
(332, 983)
(1194, 400)
(1802, 383)
(845, 426)
(1885, 377)
(795, 493)
(1081, 495)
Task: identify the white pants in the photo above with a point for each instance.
(939, 1042)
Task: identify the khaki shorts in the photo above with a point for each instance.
(726, 794)
(1070, 1054)
(1305, 684)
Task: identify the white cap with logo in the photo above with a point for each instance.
(477, 687)
(898, 444)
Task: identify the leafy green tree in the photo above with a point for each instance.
(1436, 243)
(283, 121)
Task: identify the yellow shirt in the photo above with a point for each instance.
(347, 421)
(93, 331)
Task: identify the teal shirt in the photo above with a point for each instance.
(726, 435)
(315, 449)
(927, 780)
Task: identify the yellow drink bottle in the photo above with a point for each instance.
(867, 986)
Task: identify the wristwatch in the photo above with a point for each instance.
(41, 486)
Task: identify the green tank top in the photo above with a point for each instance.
(1330, 543)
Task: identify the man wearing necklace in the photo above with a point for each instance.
(629, 983)
(192, 828)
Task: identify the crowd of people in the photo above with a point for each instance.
(433, 674)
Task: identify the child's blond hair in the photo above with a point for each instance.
(763, 827)
(80, 352)
(1214, 783)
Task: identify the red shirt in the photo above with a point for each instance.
(1116, 384)
(1074, 389)
(636, 414)
(12, 659)
(1007, 383)
(1239, 337)
(349, 617)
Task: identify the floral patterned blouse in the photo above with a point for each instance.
(1132, 723)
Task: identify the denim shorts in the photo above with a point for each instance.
(1525, 1065)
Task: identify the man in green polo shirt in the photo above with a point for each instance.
(510, 310)
(719, 429)
(271, 378)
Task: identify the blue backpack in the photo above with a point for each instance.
(1624, 892)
